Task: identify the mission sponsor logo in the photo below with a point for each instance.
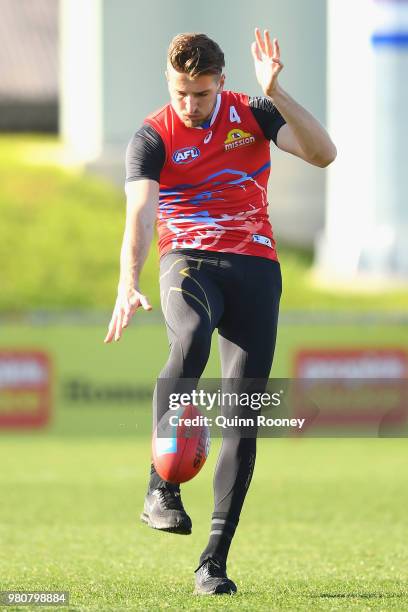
(186, 155)
(238, 138)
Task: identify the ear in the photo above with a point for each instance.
(221, 83)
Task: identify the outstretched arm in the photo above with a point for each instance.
(302, 135)
(142, 202)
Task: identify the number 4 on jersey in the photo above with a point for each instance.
(234, 117)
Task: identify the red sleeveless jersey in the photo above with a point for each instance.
(213, 185)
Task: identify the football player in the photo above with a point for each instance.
(199, 168)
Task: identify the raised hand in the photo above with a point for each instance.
(266, 54)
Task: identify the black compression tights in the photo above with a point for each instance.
(239, 295)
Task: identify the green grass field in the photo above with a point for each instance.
(323, 528)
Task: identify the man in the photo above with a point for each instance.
(201, 165)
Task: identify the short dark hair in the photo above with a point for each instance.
(195, 55)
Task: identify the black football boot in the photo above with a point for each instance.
(164, 510)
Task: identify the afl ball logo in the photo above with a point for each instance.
(186, 155)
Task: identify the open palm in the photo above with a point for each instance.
(266, 54)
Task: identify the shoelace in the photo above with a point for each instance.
(213, 569)
(170, 499)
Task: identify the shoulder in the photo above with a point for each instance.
(262, 103)
(235, 97)
(259, 102)
(145, 154)
(267, 116)
(145, 138)
(159, 118)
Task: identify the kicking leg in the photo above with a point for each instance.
(192, 305)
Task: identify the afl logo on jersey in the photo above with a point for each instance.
(186, 155)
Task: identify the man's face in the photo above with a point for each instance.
(193, 99)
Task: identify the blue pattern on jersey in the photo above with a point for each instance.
(244, 177)
(166, 205)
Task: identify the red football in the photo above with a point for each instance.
(180, 444)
